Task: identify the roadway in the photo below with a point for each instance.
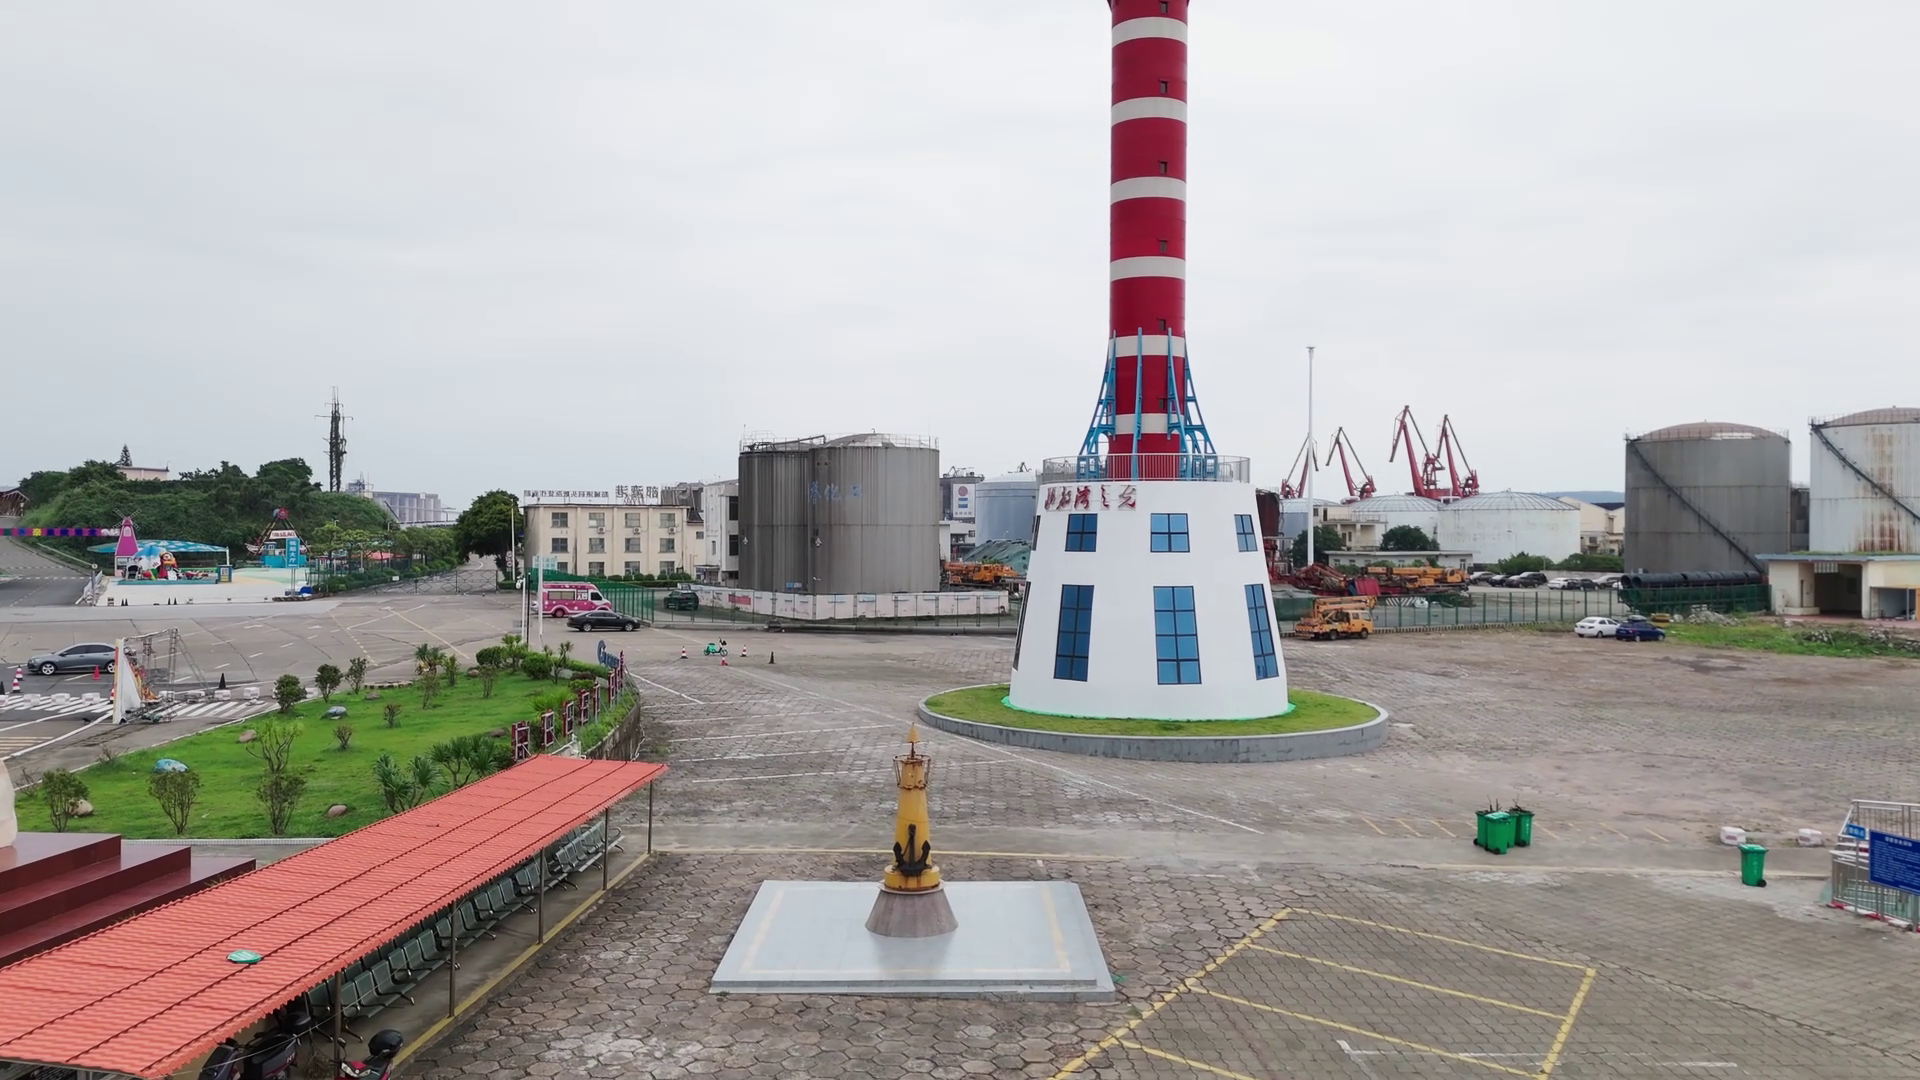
(29, 579)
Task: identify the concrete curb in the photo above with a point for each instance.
(1221, 750)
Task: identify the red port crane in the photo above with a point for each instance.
(1461, 486)
(1289, 488)
(1349, 461)
(1424, 465)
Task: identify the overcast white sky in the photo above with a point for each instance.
(588, 244)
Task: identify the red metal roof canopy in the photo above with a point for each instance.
(149, 995)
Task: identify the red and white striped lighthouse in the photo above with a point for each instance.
(1147, 303)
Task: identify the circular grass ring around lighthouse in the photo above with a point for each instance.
(1318, 726)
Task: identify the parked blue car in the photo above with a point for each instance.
(1638, 629)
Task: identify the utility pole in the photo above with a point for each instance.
(336, 442)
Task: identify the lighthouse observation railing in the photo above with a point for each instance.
(1086, 467)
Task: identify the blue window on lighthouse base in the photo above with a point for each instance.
(1243, 531)
(1169, 533)
(1176, 635)
(1083, 531)
(1266, 664)
(1076, 633)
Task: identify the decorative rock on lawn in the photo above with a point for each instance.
(248, 735)
(336, 810)
(373, 695)
(83, 808)
(497, 733)
(337, 712)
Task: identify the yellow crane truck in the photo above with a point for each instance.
(1337, 617)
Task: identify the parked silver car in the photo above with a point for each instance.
(74, 658)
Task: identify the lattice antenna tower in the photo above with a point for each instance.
(336, 442)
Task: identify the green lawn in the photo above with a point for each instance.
(1311, 712)
(227, 806)
(1805, 639)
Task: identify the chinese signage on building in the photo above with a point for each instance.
(1090, 497)
(963, 502)
(636, 494)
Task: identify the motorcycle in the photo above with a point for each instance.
(379, 1061)
(270, 1055)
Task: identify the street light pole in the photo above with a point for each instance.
(1312, 452)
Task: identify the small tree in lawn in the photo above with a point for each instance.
(273, 743)
(287, 692)
(327, 680)
(280, 793)
(566, 653)
(489, 674)
(429, 683)
(176, 792)
(63, 792)
(421, 654)
(450, 663)
(393, 714)
(356, 675)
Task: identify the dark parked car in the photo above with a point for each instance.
(603, 620)
(1638, 629)
(1532, 579)
(74, 658)
(681, 600)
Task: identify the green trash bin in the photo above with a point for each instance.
(1522, 826)
(1499, 829)
(1753, 865)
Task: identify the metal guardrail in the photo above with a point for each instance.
(1851, 888)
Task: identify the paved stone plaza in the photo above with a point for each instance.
(1325, 919)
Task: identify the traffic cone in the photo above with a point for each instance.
(683, 653)
(96, 673)
(769, 656)
(723, 661)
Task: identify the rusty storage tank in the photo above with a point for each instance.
(1866, 483)
(840, 515)
(1707, 496)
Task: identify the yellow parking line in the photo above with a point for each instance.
(1409, 828)
(1374, 827)
(1439, 937)
(1188, 1062)
(1414, 983)
(1188, 984)
(1655, 835)
(1552, 1059)
(1351, 1030)
(1441, 827)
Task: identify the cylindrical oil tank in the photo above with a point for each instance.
(1495, 525)
(853, 514)
(1707, 496)
(1004, 506)
(1866, 483)
(1393, 511)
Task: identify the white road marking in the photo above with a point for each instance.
(756, 757)
(289, 645)
(796, 731)
(255, 655)
(668, 689)
(1354, 1056)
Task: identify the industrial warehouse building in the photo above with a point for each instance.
(1709, 496)
(1864, 521)
(853, 514)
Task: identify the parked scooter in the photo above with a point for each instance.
(379, 1063)
(270, 1055)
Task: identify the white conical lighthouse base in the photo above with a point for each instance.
(1164, 633)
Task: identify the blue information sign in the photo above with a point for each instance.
(1893, 861)
(1857, 832)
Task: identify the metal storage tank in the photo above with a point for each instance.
(840, 515)
(1494, 525)
(1395, 510)
(1707, 496)
(1005, 506)
(1866, 483)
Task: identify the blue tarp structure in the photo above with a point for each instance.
(151, 548)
